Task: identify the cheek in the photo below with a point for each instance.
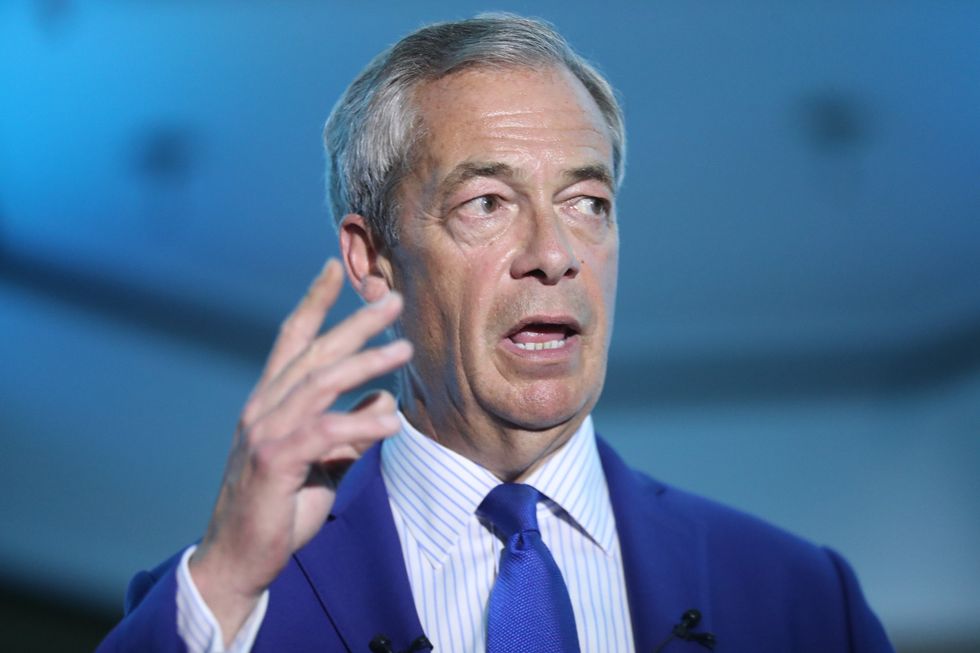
(447, 296)
(477, 304)
(423, 321)
(609, 278)
(603, 262)
(485, 292)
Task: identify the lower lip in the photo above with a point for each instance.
(544, 355)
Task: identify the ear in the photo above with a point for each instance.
(367, 264)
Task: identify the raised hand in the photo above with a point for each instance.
(289, 448)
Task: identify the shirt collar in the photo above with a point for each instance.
(572, 478)
(437, 491)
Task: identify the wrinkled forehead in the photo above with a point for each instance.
(540, 110)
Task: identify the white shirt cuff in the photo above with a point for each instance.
(196, 624)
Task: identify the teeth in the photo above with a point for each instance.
(538, 346)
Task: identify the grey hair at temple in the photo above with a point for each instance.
(371, 134)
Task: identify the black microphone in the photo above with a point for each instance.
(689, 620)
(382, 644)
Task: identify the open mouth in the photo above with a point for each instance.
(540, 334)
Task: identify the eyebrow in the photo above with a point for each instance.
(472, 169)
(469, 170)
(595, 171)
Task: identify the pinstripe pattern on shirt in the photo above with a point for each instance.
(451, 556)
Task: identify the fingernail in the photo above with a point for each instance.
(319, 277)
(326, 267)
(389, 422)
(398, 348)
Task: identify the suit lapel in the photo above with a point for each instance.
(663, 553)
(357, 570)
(355, 563)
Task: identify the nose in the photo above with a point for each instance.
(546, 252)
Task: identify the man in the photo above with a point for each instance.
(473, 172)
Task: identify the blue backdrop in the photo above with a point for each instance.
(798, 326)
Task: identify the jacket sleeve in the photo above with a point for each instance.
(866, 633)
(150, 621)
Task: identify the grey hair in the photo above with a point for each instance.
(371, 134)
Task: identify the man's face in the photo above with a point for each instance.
(507, 250)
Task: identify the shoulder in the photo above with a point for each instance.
(732, 544)
(141, 583)
(150, 613)
(747, 575)
(736, 528)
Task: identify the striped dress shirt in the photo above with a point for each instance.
(452, 557)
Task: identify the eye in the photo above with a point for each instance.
(591, 206)
(482, 205)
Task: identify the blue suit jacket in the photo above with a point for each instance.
(759, 589)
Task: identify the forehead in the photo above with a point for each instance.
(539, 111)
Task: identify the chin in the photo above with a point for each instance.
(544, 406)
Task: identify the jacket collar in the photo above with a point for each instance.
(356, 567)
(355, 563)
(663, 553)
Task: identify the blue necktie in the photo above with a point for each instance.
(530, 611)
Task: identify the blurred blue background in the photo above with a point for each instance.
(798, 326)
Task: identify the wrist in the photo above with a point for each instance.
(219, 587)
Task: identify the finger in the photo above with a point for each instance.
(331, 436)
(380, 402)
(286, 462)
(299, 329)
(341, 341)
(330, 469)
(321, 387)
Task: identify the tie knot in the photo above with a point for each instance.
(511, 508)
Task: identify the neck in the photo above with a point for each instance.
(510, 452)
